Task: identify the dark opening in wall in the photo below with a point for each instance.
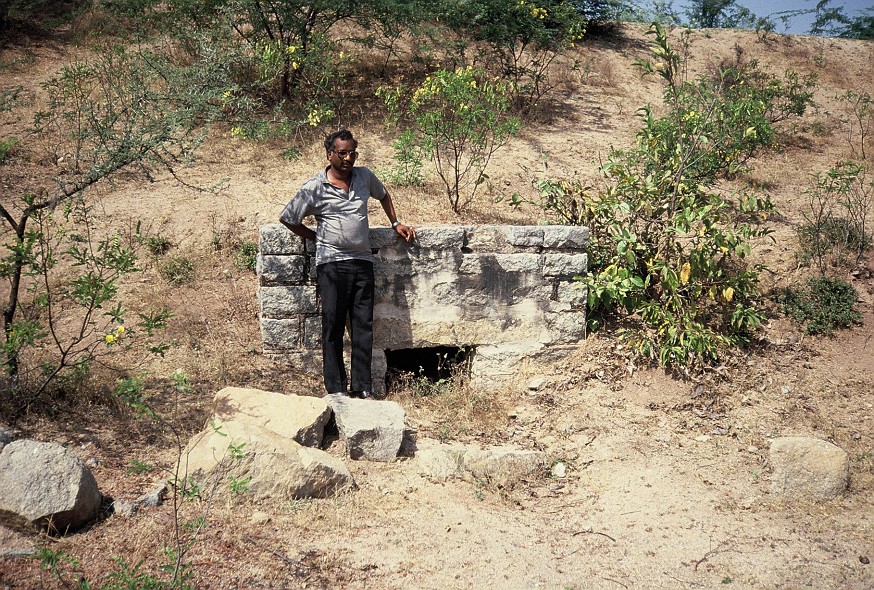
(434, 364)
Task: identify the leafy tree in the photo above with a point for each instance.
(669, 249)
(460, 119)
(860, 27)
(523, 38)
(115, 113)
(722, 14)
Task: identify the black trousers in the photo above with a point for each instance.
(346, 290)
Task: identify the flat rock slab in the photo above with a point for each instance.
(501, 466)
(299, 417)
(45, 485)
(268, 465)
(808, 468)
(373, 430)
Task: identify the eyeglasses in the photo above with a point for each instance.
(343, 154)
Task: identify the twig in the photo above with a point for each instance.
(614, 581)
(589, 531)
(709, 554)
(682, 581)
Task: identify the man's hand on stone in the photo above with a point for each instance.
(407, 232)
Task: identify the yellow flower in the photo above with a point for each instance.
(728, 293)
(109, 338)
(685, 273)
(294, 65)
(227, 94)
(292, 49)
(119, 330)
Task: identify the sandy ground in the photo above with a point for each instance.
(667, 482)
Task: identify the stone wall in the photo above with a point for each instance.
(506, 291)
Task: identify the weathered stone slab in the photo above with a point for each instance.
(443, 237)
(502, 466)
(565, 265)
(490, 263)
(373, 430)
(564, 327)
(287, 301)
(280, 334)
(275, 238)
(312, 332)
(45, 485)
(281, 270)
(273, 466)
(565, 237)
(299, 417)
(808, 468)
(573, 293)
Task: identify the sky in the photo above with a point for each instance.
(801, 25)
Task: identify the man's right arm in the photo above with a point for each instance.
(300, 230)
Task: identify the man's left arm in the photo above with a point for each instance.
(405, 231)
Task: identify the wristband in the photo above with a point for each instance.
(395, 224)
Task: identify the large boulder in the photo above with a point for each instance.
(297, 417)
(808, 468)
(501, 466)
(270, 465)
(45, 485)
(373, 430)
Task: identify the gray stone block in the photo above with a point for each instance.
(281, 270)
(565, 265)
(312, 332)
(490, 263)
(287, 301)
(574, 292)
(447, 237)
(43, 484)
(281, 334)
(275, 238)
(565, 237)
(565, 327)
(373, 430)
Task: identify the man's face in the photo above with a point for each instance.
(342, 156)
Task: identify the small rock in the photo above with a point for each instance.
(92, 462)
(124, 508)
(752, 449)
(259, 517)
(785, 389)
(153, 498)
(808, 468)
(536, 384)
(559, 469)
(702, 438)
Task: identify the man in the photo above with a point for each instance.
(337, 198)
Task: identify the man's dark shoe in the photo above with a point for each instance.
(360, 394)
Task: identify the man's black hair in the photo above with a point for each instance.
(343, 135)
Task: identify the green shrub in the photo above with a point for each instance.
(460, 119)
(246, 256)
(409, 157)
(668, 250)
(6, 146)
(824, 306)
(177, 270)
(157, 245)
(837, 215)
